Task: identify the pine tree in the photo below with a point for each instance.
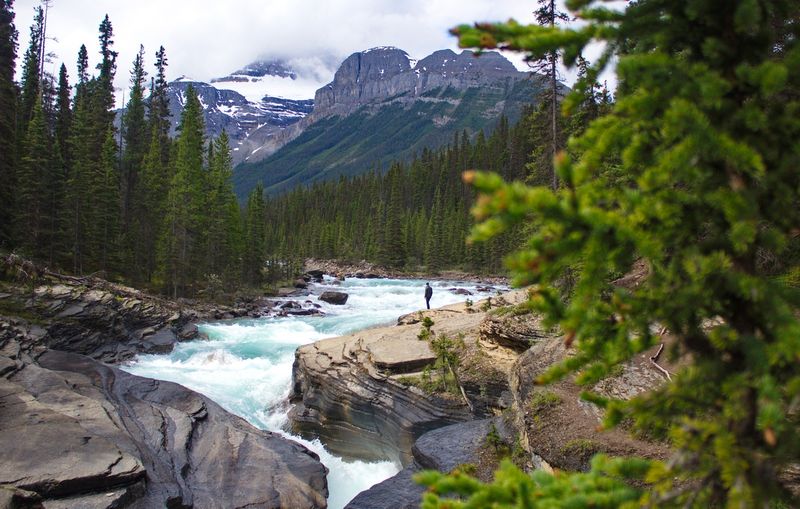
(548, 15)
(82, 160)
(151, 197)
(30, 81)
(103, 240)
(32, 202)
(107, 67)
(394, 245)
(61, 161)
(182, 238)
(709, 191)
(8, 112)
(224, 248)
(135, 136)
(434, 255)
(156, 175)
(255, 246)
(83, 65)
(158, 102)
(63, 116)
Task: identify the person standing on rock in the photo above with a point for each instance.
(428, 294)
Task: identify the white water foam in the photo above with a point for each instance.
(246, 365)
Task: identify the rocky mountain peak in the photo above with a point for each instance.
(381, 63)
(450, 62)
(387, 73)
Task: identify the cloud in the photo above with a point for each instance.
(207, 38)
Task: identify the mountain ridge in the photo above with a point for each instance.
(381, 106)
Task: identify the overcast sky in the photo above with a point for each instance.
(211, 38)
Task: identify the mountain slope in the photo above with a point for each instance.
(254, 103)
(383, 106)
(231, 111)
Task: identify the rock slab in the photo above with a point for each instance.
(76, 433)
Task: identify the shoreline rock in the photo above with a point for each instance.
(90, 428)
(336, 298)
(352, 391)
(76, 432)
(442, 449)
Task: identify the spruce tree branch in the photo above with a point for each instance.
(654, 360)
(461, 387)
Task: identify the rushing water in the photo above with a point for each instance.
(246, 365)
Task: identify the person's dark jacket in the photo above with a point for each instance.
(428, 292)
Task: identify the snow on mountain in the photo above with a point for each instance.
(255, 88)
(286, 80)
(253, 103)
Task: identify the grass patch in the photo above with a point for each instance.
(428, 382)
(465, 469)
(582, 448)
(544, 400)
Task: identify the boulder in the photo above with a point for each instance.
(303, 312)
(460, 291)
(366, 275)
(300, 283)
(290, 305)
(187, 332)
(338, 298)
(316, 275)
(442, 449)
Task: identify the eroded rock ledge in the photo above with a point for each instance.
(350, 391)
(356, 407)
(75, 432)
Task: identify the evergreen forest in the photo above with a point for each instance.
(81, 195)
(89, 190)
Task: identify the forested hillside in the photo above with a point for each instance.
(344, 145)
(134, 204)
(79, 195)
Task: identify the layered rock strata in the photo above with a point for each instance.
(353, 391)
(75, 432)
(107, 322)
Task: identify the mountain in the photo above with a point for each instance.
(296, 79)
(383, 106)
(231, 111)
(253, 103)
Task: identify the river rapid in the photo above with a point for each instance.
(246, 365)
